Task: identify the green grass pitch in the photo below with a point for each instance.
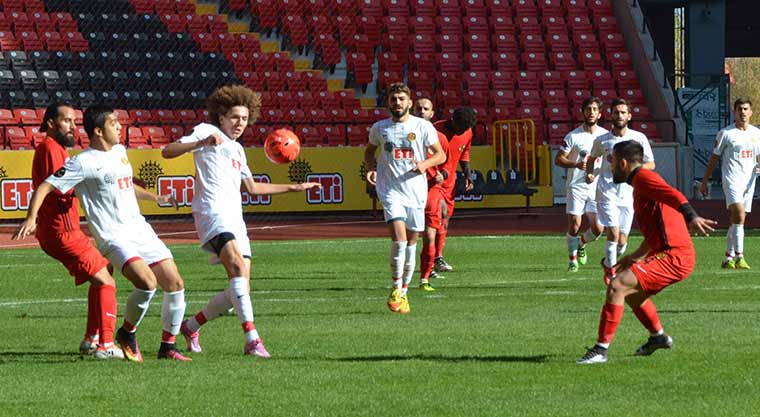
(499, 338)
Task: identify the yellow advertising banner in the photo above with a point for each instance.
(340, 170)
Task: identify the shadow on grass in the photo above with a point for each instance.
(39, 357)
(446, 358)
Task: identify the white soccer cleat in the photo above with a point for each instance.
(596, 354)
(111, 352)
(192, 338)
(256, 348)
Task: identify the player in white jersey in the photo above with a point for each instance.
(102, 179)
(220, 169)
(737, 148)
(399, 177)
(614, 202)
(581, 197)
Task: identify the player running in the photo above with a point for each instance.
(60, 236)
(399, 175)
(737, 148)
(665, 257)
(102, 178)
(220, 168)
(614, 202)
(581, 196)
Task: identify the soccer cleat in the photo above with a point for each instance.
(128, 343)
(88, 347)
(404, 308)
(596, 354)
(740, 263)
(425, 286)
(173, 354)
(256, 348)
(573, 267)
(442, 266)
(192, 338)
(436, 275)
(582, 255)
(394, 300)
(609, 273)
(662, 341)
(111, 352)
(728, 264)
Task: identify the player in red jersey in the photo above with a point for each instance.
(458, 131)
(665, 257)
(60, 236)
(435, 207)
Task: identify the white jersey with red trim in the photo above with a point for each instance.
(738, 150)
(400, 144)
(606, 189)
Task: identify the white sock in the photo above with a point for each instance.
(173, 311)
(409, 263)
(397, 260)
(589, 236)
(215, 308)
(621, 249)
(604, 345)
(137, 305)
(738, 238)
(730, 252)
(240, 298)
(572, 246)
(658, 333)
(611, 258)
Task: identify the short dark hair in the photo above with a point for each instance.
(95, 116)
(629, 150)
(620, 102)
(465, 116)
(740, 101)
(51, 112)
(591, 100)
(399, 88)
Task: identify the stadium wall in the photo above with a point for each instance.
(340, 170)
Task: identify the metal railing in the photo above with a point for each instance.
(514, 147)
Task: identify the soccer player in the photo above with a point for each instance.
(220, 168)
(665, 257)
(102, 179)
(399, 175)
(736, 147)
(615, 201)
(60, 236)
(581, 197)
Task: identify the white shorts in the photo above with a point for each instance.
(144, 245)
(580, 201)
(208, 227)
(734, 195)
(414, 218)
(612, 214)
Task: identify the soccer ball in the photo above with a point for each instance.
(282, 146)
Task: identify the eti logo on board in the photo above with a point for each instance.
(181, 187)
(258, 200)
(16, 194)
(331, 191)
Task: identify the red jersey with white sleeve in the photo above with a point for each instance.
(459, 150)
(60, 211)
(657, 209)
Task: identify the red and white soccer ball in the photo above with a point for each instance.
(282, 146)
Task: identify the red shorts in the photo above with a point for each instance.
(662, 269)
(76, 253)
(434, 209)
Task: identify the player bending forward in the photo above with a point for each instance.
(665, 257)
(220, 168)
(102, 178)
(399, 176)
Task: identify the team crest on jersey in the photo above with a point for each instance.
(411, 136)
(125, 161)
(225, 152)
(109, 179)
(61, 172)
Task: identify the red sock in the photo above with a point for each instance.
(248, 326)
(93, 313)
(647, 315)
(201, 318)
(426, 259)
(608, 322)
(107, 311)
(167, 337)
(440, 241)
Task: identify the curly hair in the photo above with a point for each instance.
(224, 98)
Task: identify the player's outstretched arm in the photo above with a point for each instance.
(370, 164)
(704, 187)
(162, 200)
(176, 149)
(260, 188)
(702, 226)
(29, 225)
